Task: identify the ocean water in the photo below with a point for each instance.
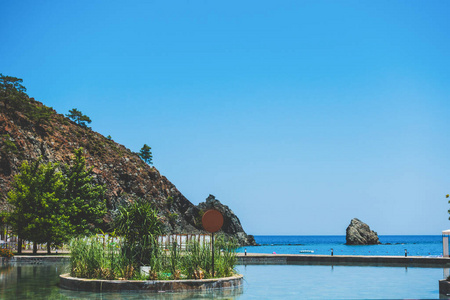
(394, 245)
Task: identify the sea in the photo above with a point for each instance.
(394, 245)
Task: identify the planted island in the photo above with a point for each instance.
(132, 256)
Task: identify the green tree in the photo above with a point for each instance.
(12, 91)
(10, 84)
(146, 154)
(51, 207)
(14, 99)
(85, 199)
(38, 205)
(78, 117)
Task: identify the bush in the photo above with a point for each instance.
(6, 252)
(105, 258)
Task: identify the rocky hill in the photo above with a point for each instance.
(33, 130)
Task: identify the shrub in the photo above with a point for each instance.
(105, 258)
(6, 252)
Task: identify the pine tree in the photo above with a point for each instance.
(85, 198)
(12, 91)
(146, 154)
(78, 117)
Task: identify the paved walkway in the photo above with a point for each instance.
(417, 261)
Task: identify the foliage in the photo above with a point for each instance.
(6, 252)
(51, 207)
(227, 255)
(198, 218)
(137, 219)
(86, 201)
(107, 259)
(39, 207)
(138, 223)
(90, 258)
(15, 100)
(12, 91)
(173, 216)
(146, 154)
(39, 113)
(78, 117)
(8, 146)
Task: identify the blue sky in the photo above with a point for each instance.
(299, 115)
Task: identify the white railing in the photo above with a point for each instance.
(165, 241)
(182, 240)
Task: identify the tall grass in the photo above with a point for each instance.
(90, 258)
(94, 258)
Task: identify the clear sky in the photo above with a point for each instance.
(298, 115)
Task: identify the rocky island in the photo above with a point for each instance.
(359, 233)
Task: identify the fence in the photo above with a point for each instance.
(182, 240)
(165, 241)
(12, 243)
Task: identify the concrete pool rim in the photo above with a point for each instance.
(152, 286)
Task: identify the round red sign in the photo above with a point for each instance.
(212, 220)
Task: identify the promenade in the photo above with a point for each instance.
(303, 259)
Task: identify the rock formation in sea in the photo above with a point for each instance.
(359, 233)
(23, 136)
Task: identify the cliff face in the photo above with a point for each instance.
(231, 224)
(123, 173)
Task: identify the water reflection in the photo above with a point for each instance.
(41, 282)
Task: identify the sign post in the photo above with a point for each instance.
(212, 221)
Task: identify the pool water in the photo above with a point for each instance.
(260, 282)
(339, 282)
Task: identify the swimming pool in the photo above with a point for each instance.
(339, 282)
(261, 282)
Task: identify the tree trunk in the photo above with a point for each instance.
(48, 248)
(19, 246)
(34, 247)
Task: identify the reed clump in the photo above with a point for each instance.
(114, 258)
(137, 227)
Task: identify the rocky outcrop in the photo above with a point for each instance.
(231, 224)
(359, 233)
(123, 173)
